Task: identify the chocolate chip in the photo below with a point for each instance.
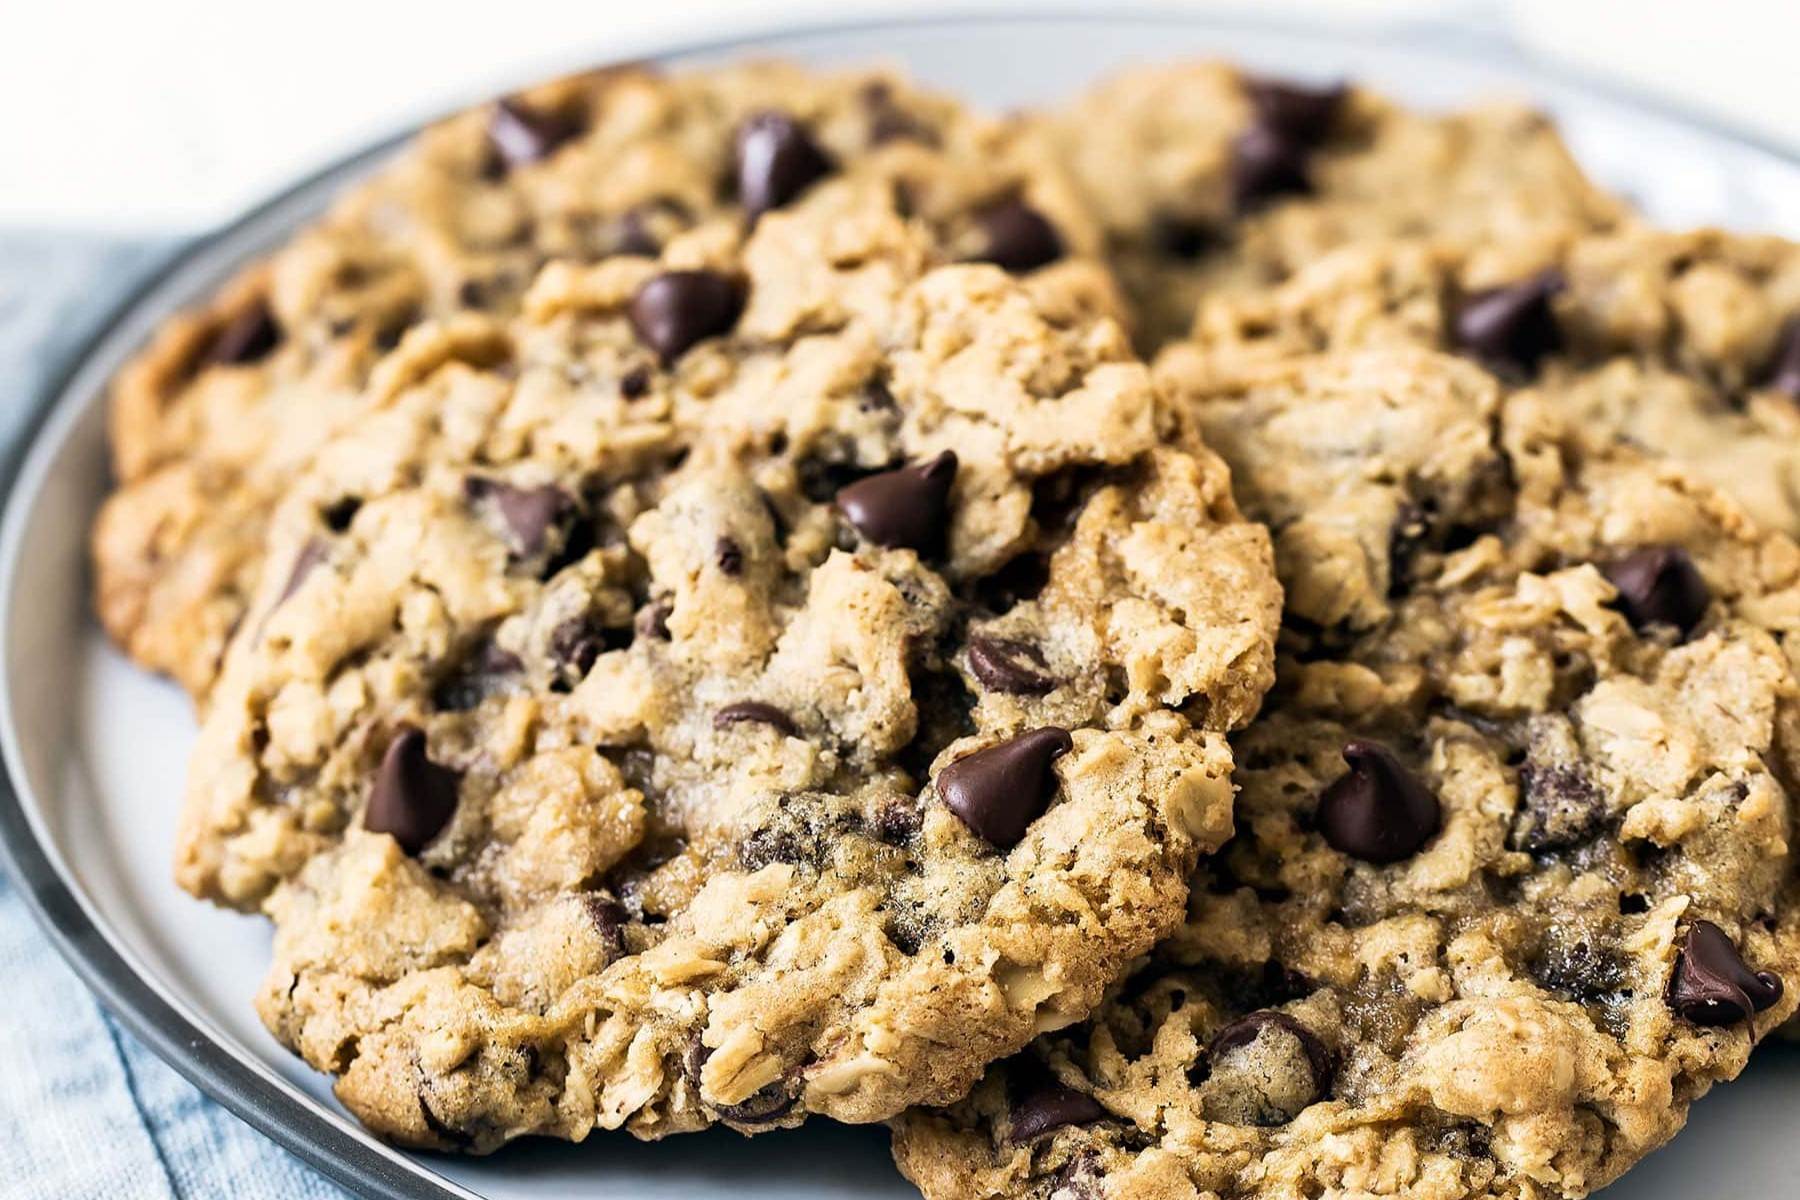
(677, 309)
(529, 513)
(574, 645)
(1378, 811)
(1784, 372)
(774, 1100)
(777, 159)
(1659, 585)
(314, 552)
(413, 798)
(1303, 114)
(483, 674)
(1513, 327)
(608, 917)
(1051, 1106)
(754, 711)
(908, 506)
(729, 555)
(1017, 237)
(1265, 163)
(998, 792)
(520, 136)
(1006, 665)
(1249, 1027)
(635, 383)
(248, 337)
(1711, 985)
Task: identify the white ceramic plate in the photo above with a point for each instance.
(95, 750)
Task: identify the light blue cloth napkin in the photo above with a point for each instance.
(86, 1113)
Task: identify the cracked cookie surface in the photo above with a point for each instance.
(1686, 345)
(1511, 881)
(1206, 180)
(779, 679)
(228, 402)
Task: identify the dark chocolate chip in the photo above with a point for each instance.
(1007, 665)
(1711, 985)
(314, 552)
(574, 645)
(777, 159)
(635, 384)
(1304, 114)
(1784, 371)
(998, 792)
(729, 555)
(1051, 1106)
(1250, 1026)
(770, 1103)
(677, 309)
(1017, 237)
(529, 513)
(338, 515)
(908, 506)
(1512, 327)
(653, 620)
(1378, 811)
(1265, 163)
(1659, 585)
(248, 337)
(520, 136)
(754, 711)
(608, 917)
(414, 798)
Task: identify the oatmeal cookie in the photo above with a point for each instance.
(1511, 882)
(1206, 179)
(777, 679)
(1682, 344)
(228, 402)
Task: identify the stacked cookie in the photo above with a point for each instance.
(701, 613)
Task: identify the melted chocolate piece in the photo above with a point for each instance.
(777, 159)
(998, 792)
(1511, 328)
(1711, 985)
(678, 309)
(1378, 811)
(1017, 237)
(908, 506)
(1007, 665)
(1659, 585)
(753, 711)
(413, 798)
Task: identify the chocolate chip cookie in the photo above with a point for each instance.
(777, 678)
(1511, 882)
(1684, 344)
(1206, 179)
(228, 402)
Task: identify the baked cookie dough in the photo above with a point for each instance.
(1686, 345)
(227, 403)
(776, 679)
(1511, 882)
(1207, 179)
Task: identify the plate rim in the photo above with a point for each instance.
(347, 1156)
